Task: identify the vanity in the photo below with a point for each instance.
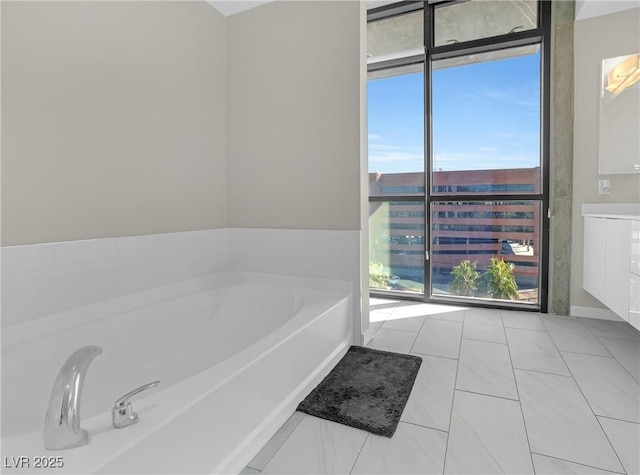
(612, 257)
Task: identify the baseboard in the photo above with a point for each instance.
(593, 312)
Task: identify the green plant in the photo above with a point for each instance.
(465, 279)
(499, 281)
(378, 278)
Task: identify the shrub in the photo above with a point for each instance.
(465, 279)
(499, 281)
(378, 278)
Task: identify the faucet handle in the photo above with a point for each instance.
(122, 414)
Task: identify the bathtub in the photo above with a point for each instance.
(236, 352)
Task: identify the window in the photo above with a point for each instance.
(458, 155)
(465, 21)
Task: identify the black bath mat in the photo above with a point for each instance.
(367, 389)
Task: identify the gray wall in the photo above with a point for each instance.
(561, 152)
(294, 116)
(595, 39)
(113, 119)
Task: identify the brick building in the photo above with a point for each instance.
(462, 230)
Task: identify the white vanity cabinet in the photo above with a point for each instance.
(611, 271)
(634, 304)
(595, 231)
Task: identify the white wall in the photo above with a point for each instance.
(129, 118)
(294, 116)
(594, 40)
(294, 139)
(113, 119)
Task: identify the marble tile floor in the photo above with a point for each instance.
(498, 392)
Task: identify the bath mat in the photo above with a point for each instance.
(367, 389)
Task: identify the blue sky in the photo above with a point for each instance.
(485, 115)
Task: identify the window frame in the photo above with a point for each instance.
(540, 35)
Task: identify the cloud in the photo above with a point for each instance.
(523, 98)
(395, 156)
(532, 104)
(383, 152)
(512, 139)
(488, 149)
(382, 147)
(490, 161)
(494, 94)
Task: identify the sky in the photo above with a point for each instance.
(485, 116)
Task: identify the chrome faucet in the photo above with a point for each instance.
(122, 414)
(62, 422)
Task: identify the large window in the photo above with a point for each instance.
(468, 105)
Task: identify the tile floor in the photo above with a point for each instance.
(497, 392)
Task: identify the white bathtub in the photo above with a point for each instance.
(234, 360)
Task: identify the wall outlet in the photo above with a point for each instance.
(604, 187)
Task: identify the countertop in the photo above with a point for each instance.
(612, 210)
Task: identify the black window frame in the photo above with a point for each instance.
(540, 35)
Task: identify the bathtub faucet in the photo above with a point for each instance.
(122, 414)
(62, 422)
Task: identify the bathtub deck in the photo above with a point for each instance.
(498, 392)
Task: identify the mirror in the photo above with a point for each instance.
(619, 144)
